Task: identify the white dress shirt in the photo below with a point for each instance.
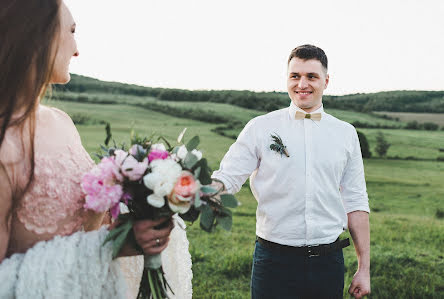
(302, 199)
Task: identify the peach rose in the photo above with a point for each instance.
(182, 196)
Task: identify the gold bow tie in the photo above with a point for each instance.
(313, 116)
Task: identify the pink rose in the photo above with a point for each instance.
(157, 154)
(183, 193)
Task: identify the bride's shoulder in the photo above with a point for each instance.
(52, 114)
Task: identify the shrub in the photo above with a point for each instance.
(382, 145)
(365, 149)
(412, 125)
(430, 126)
(85, 119)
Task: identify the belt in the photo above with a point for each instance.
(316, 250)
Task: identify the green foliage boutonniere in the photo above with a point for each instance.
(278, 145)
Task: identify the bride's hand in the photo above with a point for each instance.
(150, 239)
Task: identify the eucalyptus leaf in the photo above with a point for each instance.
(226, 212)
(193, 143)
(205, 176)
(229, 201)
(197, 201)
(190, 160)
(208, 189)
(197, 172)
(206, 218)
(225, 221)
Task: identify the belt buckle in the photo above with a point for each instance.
(310, 251)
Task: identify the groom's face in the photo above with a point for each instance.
(306, 81)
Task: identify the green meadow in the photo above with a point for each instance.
(406, 198)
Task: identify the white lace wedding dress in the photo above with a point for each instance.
(176, 262)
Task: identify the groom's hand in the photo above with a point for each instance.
(150, 239)
(360, 285)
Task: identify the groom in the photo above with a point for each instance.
(309, 184)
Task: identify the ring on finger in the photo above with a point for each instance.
(157, 242)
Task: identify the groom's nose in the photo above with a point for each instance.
(303, 83)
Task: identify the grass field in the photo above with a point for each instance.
(407, 236)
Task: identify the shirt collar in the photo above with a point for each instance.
(293, 108)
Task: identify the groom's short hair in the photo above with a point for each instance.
(307, 52)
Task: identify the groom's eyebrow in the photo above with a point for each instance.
(308, 74)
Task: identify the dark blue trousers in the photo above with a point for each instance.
(282, 275)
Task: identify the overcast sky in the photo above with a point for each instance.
(241, 44)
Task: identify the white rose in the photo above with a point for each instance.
(161, 180)
(155, 200)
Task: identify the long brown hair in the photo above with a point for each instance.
(28, 33)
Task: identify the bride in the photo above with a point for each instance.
(50, 247)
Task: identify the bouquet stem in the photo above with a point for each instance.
(153, 284)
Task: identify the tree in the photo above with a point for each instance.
(365, 149)
(382, 145)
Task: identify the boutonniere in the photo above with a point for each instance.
(278, 146)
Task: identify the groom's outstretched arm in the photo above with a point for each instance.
(358, 224)
(240, 161)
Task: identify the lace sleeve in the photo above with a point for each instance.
(76, 266)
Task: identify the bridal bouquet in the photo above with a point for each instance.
(153, 180)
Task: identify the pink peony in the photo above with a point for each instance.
(129, 166)
(157, 154)
(102, 186)
(183, 193)
(133, 169)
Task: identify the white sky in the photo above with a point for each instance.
(242, 44)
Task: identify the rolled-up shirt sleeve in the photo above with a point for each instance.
(240, 161)
(353, 188)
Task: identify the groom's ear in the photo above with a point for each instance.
(327, 79)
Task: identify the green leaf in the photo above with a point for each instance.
(119, 241)
(208, 189)
(226, 212)
(108, 133)
(114, 233)
(205, 172)
(197, 172)
(193, 143)
(206, 218)
(225, 221)
(229, 201)
(197, 201)
(180, 137)
(190, 160)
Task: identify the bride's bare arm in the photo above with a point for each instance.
(5, 206)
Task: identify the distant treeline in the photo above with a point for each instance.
(394, 101)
